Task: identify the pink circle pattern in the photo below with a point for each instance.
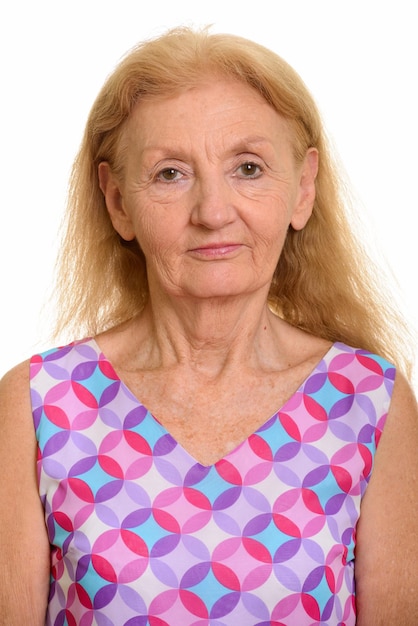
(142, 534)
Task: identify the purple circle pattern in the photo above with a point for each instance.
(142, 534)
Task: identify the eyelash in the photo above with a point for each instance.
(241, 168)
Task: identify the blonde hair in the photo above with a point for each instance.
(324, 283)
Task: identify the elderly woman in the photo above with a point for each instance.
(211, 453)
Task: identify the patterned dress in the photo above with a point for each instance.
(142, 534)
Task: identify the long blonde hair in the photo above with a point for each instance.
(324, 283)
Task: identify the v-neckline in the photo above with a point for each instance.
(315, 370)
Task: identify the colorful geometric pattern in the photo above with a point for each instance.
(142, 534)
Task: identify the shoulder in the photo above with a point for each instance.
(387, 537)
(59, 360)
(16, 422)
(18, 440)
(362, 374)
(14, 386)
(397, 458)
(399, 442)
(365, 358)
(403, 392)
(56, 352)
(24, 547)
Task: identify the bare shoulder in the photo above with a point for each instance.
(403, 397)
(24, 547)
(387, 537)
(15, 398)
(15, 412)
(18, 373)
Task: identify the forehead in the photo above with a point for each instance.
(217, 107)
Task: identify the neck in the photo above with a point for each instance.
(209, 335)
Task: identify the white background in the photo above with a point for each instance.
(358, 57)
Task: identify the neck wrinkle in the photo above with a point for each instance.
(210, 339)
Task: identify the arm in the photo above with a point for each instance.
(387, 536)
(24, 547)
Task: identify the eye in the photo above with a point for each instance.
(169, 174)
(250, 170)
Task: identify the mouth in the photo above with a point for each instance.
(216, 250)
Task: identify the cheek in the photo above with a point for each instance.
(270, 216)
(157, 234)
(269, 231)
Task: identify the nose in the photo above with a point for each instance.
(212, 203)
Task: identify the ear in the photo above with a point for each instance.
(306, 191)
(114, 202)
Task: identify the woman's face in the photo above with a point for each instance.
(209, 189)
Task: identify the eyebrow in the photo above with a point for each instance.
(255, 139)
(249, 142)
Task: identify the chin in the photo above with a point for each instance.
(217, 284)
(220, 289)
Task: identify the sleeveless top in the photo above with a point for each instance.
(142, 534)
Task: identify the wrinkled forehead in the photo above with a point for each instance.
(215, 104)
